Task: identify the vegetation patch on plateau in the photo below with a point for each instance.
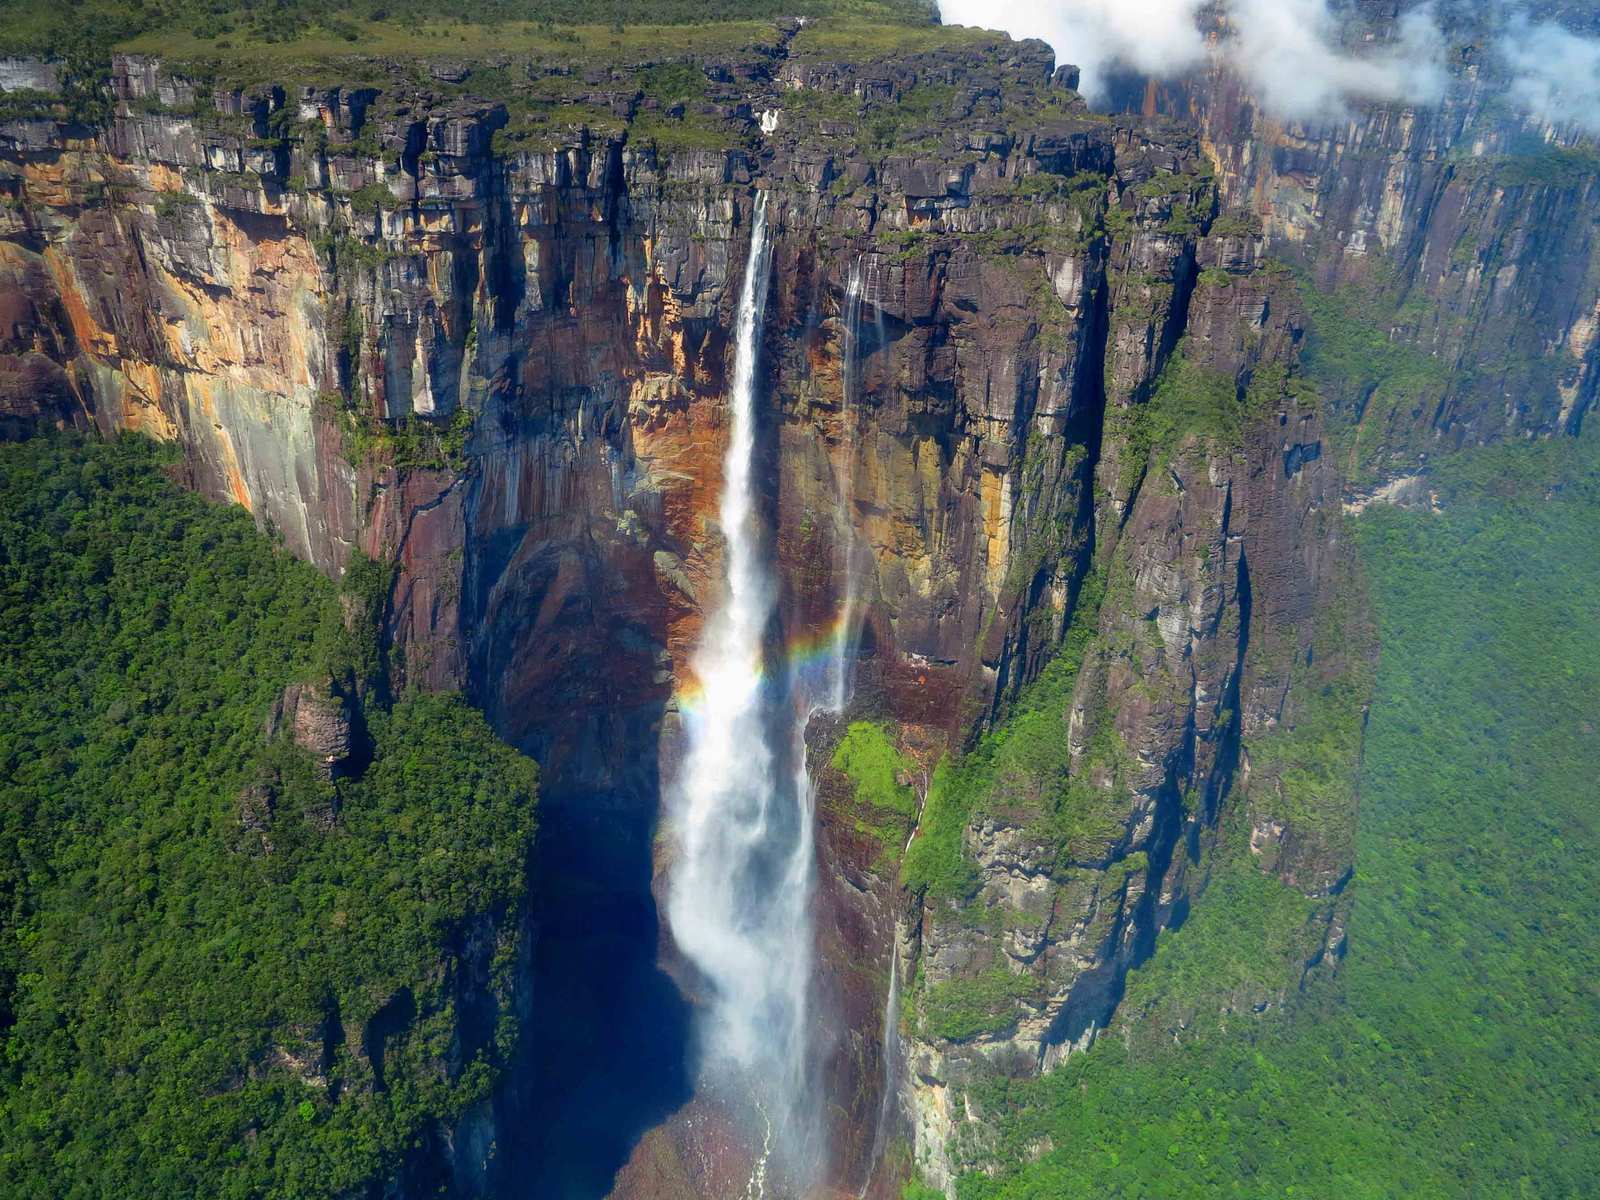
(1314, 763)
(1191, 401)
(1536, 163)
(960, 1009)
(475, 28)
(410, 443)
(1376, 383)
(887, 806)
(1021, 768)
(1235, 952)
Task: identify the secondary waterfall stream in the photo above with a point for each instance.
(850, 373)
(739, 902)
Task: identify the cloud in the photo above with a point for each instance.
(1289, 50)
(1555, 73)
(1153, 37)
(1292, 55)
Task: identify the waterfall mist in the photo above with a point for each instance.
(739, 901)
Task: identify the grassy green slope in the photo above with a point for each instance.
(224, 44)
(1461, 1056)
(47, 28)
(160, 968)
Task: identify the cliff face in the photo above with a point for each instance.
(1027, 370)
(1462, 232)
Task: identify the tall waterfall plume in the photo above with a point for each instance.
(739, 901)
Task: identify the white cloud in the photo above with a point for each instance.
(1555, 73)
(1290, 52)
(1154, 37)
(1288, 49)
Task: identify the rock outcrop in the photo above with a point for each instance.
(319, 722)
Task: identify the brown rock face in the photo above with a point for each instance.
(319, 722)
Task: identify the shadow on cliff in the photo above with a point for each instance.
(605, 1052)
(565, 623)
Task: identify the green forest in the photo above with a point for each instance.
(227, 43)
(1453, 1056)
(85, 28)
(222, 974)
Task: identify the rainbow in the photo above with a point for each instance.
(807, 658)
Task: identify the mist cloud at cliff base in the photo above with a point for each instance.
(1291, 53)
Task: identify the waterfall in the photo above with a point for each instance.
(849, 372)
(891, 1063)
(876, 288)
(739, 900)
